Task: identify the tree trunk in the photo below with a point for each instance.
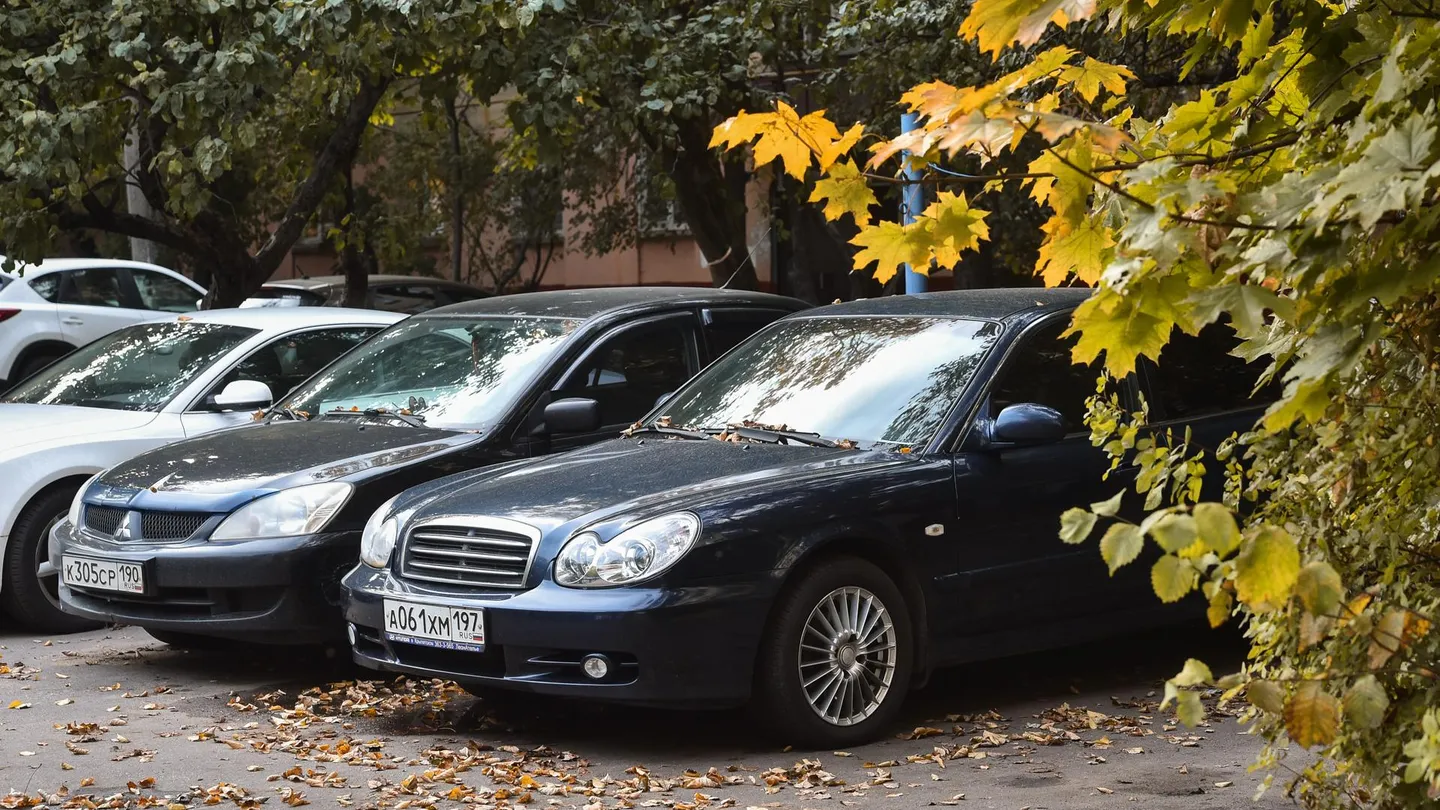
(711, 194)
(353, 260)
(457, 193)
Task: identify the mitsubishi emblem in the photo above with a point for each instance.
(122, 532)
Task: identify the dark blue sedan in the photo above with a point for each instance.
(854, 496)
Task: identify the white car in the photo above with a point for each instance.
(49, 309)
(133, 390)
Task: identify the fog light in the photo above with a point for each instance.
(595, 666)
(350, 628)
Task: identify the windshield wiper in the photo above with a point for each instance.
(289, 413)
(758, 434)
(668, 431)
(378, 413)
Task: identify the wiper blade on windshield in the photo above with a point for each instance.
(668, 431)
(378, 413)
(759, 434)
(289, 413)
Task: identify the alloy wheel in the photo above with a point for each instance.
(847, 656)
(49, 585)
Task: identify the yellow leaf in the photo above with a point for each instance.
(956, 227)
(1305, 400)
(832, 152)
(845, 191)
(1081, 252)
(1089, 76)
(783, 135)
(1365, 702)
(1172, 578)
(1120, 545)
(976, 132)
(1220, 604)
(1189, 709)
(1319, 589)
(1266, 569)
(888, 245)
(1416, 627)
(1312, 715)
(1387, 638)
(1266, 696)
(1117, 326)
(1194, 673)
(1217, 528)
(995, 24)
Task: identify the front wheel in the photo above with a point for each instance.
(835, 667)
(30, 599)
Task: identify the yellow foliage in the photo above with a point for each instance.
(845, 191)
(786, 136)
(888, 245)
(1089, 76)
(996, 24)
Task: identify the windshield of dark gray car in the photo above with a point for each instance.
(139, 368)
(875, 381)
(449, 371)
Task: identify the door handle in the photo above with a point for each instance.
(73, 321)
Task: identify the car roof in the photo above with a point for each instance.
(270, 318)
(317, 282)
(591, 302)
(994, 305)
(52, 265)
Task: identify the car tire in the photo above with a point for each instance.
(191, 641)
(843, 698)
(24, 597)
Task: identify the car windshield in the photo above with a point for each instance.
(139, 368)
(282, 297)
(875, 381)
(450, 371)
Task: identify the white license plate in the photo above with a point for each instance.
(103, 575)
(448, 628)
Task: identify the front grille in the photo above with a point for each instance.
(103, 519)
(460, 554)
(171, 525)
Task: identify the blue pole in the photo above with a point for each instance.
(912, 202)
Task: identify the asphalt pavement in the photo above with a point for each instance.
(115, 719)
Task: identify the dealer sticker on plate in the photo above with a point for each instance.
(103, 575)
(449, 628)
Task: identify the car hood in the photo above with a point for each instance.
(629, 476)
(29, 425)
(221, 470)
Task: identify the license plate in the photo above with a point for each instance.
(449, 628)
(103, 575)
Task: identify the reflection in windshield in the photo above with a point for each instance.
(140, 368)
(450, 371)
(872, 380)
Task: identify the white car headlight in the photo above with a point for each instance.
(378, 539)
(640, 552)
(75, 505)
(288, 513)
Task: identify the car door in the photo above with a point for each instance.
(96, 301)
(161, 293)
(627, 369)
(280, 364)
(1011, 497)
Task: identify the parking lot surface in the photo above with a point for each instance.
(114, 719)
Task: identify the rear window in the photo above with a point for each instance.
(283, 297)
(1198, 376)
(3, 281)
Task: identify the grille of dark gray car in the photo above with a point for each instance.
(466, 555)
(103, 519)
(170, 525)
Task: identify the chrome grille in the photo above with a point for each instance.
(483, 552)
(171, 525)
(103, 519)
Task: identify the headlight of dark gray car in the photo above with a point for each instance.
(640, 552)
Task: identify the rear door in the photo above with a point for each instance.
(96, 301)
(161, 293)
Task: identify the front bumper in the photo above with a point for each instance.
(273, 591)
(690, 646)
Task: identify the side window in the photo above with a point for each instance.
(1198, 376)
(729, 327)
(404, 297)
(455, 295)
(286, 362)
(163, 293)
(629, 371)
(48, 286)
(98, 287)
(1040, 371)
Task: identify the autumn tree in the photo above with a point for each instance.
(1295, 200)
(244, 114)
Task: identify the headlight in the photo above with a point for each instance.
(74, 514)
(288, 513)
(634, 555)
(378, 539)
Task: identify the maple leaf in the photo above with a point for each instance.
(832, 152)
(956, 227)
(1089, 76)
(995, 24)
(845, 191)
(1079, 251)
(786, 136)
(1115, 325)
(888, 245)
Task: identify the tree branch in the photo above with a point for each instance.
(100, 217)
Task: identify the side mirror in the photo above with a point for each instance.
(243, 395)
(663, 398)
(572, 415)
(1028, 423)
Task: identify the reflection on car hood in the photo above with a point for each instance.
(278, 456)
(27, 425)
(628, 475)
